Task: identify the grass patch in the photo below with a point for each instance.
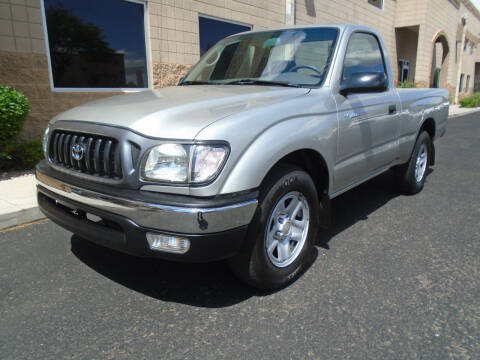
(471, 101)
(407, 84)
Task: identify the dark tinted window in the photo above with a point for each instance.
(212, 31)
(97, 44)
(363, 55)
(377, 3)
(462, 79)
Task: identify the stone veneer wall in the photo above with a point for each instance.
(28, 73)
(168, 74)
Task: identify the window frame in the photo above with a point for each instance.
(146, 26)
(381, 53)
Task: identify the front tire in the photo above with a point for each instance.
(280, 240)
(411, 176)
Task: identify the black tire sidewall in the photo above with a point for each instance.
(261, 268)
(412, 185)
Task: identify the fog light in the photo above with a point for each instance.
(174, 244)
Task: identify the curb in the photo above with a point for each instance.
(20, 217)
(468, 112)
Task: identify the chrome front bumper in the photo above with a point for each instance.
(187, 220)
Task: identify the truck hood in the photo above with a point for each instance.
(178, 112)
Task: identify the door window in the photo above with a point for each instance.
(363, 55)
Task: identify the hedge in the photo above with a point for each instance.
(14, 153)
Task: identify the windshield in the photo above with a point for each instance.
(296, 57)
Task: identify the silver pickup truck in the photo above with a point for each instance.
(241, 159)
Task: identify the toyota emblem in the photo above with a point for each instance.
(78, 150)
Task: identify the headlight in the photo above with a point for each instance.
(167, 162)
(177, 163)
(45, 141)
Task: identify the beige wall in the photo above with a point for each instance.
(174, 39)
(21, 26)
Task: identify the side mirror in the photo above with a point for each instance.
(364, 82)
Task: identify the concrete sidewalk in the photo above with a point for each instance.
(456, 111)
(18, 200)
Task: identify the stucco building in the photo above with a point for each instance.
(62, 53)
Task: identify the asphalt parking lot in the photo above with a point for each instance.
(397, 277)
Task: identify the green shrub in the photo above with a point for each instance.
(22, 155)
(14, 153)
(28, 153)
(471, 101)
(407, 84)
(14, 108)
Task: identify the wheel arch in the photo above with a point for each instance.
(312, 162)
(315, 165)
(429, 126)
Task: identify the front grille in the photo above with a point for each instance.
(100, 155)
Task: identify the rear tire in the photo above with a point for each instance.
(411, 176)
(280, 240)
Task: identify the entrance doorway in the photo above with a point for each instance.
(407, 42)
(438, 73)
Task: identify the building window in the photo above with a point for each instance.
(213, 30)
(460, 86)
(467, 85)
(376, 3)
(96, 44)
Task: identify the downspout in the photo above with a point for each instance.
(289, 12)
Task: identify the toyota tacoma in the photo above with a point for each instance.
(241, 159)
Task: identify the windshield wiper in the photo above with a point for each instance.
(259, 82)
(197, 83)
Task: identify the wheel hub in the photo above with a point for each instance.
(287, 229)
(421, 163)
(284, 226)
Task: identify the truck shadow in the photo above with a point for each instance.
(213, 285)
(357, 204)
(199, 284)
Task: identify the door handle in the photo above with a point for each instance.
(392, 109)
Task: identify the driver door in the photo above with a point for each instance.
(368, 121)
